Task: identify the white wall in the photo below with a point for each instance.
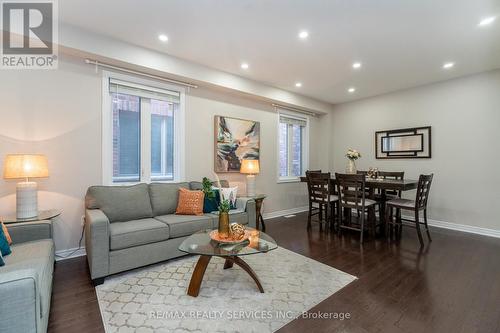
(465, 118)
(58, 113)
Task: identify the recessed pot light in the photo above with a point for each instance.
(244, 65)
(298, 84)
(351, 90)
(448, 65)
(487, 21)
(303, 34)
(163, 38)
(356, 65)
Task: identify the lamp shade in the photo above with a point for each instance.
(250, 167)
(25, 166)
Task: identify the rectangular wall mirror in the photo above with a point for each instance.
(403, 143)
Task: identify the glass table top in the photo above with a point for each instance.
(42, 215)
(201, 243)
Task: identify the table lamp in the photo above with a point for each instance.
(250, 168)
(18, 166)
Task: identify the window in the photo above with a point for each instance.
(293, 147)
(142, 127)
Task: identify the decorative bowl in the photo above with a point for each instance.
(214, 235)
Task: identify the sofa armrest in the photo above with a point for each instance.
(248, 204)
(97, 242)
(22, 232)
(20, 309)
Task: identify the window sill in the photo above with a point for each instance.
(289, 180)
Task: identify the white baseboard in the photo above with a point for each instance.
(70, 253)
(464, 228)
(280, 213)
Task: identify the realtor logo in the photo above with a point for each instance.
(29, 34)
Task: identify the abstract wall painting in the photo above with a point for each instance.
(235, 140)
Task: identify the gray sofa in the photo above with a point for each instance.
(132, 226)
(26, 278)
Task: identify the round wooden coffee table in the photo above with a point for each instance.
(200, 243)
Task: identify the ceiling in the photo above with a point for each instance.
(401, 44)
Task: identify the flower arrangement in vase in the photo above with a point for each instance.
(352, 155)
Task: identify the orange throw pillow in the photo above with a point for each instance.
(6, 233)
(190, 202)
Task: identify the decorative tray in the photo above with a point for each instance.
(214, 235)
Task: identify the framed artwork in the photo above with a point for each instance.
(403, 143)
(235, 140)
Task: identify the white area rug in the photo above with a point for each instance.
(154, 299)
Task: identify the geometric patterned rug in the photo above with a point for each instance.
(154, 299)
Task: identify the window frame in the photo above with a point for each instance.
(145, 136)
(305, 146)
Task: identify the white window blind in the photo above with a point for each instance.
(130, 88)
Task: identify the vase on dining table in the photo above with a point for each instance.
(351, 167)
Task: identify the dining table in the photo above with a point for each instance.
(381, 184)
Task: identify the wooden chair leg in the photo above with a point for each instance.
(327, 217)
(426, 225)
(339, 216)
(362, 228)
(332, 216)
(419, 233)
(372, 220)
(309, 217)
(399, 223)
(388, 216)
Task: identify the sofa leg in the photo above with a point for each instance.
(98, 281)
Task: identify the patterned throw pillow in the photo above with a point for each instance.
(229, 193)
(6, 233)
(190, 202)
(4, 244)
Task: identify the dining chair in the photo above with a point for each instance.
(321, 198)
(351, 190)
(420, 203)
(370, 193)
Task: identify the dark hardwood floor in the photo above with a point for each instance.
(453, 285)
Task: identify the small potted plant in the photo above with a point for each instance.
(210, 201)
(352, 155)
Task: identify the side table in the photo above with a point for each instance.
(259, 199)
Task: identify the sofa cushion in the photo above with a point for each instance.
(185, 225)
(137, 232)
(6, 233)
(164, 197)
(4, 244)
(36, 257)
(120, 203)
(190, 202)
